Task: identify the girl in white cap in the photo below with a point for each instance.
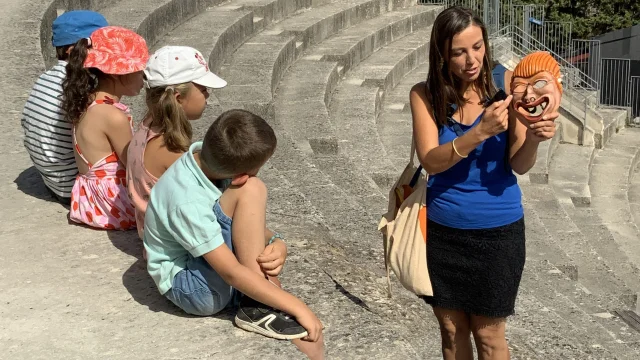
(177, 79)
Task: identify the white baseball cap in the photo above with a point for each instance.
(173, 65)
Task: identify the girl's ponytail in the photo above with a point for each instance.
(80, 83)
(169, 116)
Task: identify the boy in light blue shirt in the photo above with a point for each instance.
(205, 234)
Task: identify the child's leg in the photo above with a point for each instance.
(313, 350)
(247, 206)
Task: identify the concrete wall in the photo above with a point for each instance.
(624, 43)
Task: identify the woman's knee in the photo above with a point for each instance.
(489, 334)
(453, 325)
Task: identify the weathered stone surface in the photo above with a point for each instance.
(326, 194)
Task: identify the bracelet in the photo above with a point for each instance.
(453, 143)
(274, 237)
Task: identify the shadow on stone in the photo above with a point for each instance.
(140, 285)
(354, 299)
(30, 182)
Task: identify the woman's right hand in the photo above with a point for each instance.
(311, 323)
(495, 119)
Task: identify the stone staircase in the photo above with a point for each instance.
(333, 78)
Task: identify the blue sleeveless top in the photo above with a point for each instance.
(480, 191)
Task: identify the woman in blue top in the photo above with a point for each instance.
(475, 231)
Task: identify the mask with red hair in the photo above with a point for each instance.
(536, 87)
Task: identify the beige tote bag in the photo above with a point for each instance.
(404, 230)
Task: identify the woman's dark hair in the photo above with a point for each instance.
(80, 84)
(443, 88)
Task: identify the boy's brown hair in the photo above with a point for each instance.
(237, 142)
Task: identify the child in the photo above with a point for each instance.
(101, 70)
(178, 78)
(47, 136)
(203, 244)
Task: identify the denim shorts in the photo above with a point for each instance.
(198, 289)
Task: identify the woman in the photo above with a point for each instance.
(476, 233)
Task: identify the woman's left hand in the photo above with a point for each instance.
(544, 129)
(273, 257)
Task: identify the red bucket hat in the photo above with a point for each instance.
(117, 51)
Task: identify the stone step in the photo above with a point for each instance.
(539, 173)
(107, 265)
(405, 314)
(600, 334)
(613, 121)
(153, 18)
(394, 124)
(633, 194)
(360, 41)
(593, 272)
(611, 172)
(569, 173)
(567, 306)
(358, 100)
(548, 261)
(256, 68)
(218, 32)
(318, 90)
(531, 315)
(308, 85)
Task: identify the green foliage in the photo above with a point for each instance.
(591, 17)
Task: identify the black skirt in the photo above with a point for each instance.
(476, 271)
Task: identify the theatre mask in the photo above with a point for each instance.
(536, 87)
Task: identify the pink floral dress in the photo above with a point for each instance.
(99, 197)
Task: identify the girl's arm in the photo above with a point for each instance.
(119, 134)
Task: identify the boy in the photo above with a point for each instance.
(47, 136)
(202, 244)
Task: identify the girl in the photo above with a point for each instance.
(475, 231)
(178, 78)
(102, 69)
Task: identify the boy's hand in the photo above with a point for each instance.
(312, 324)
(273, 257)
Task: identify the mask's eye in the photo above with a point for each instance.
(540, 84)
(519, 88)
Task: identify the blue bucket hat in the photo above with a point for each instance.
(74, 25)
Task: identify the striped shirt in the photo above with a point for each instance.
(47, 135)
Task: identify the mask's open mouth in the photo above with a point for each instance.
(533, 111)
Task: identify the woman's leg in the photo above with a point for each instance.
(455, 333)
(489, 335)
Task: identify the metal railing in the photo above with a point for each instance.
(634, 93)
(614, 82)
(586, 73)
(510, 44)
(585, 55)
